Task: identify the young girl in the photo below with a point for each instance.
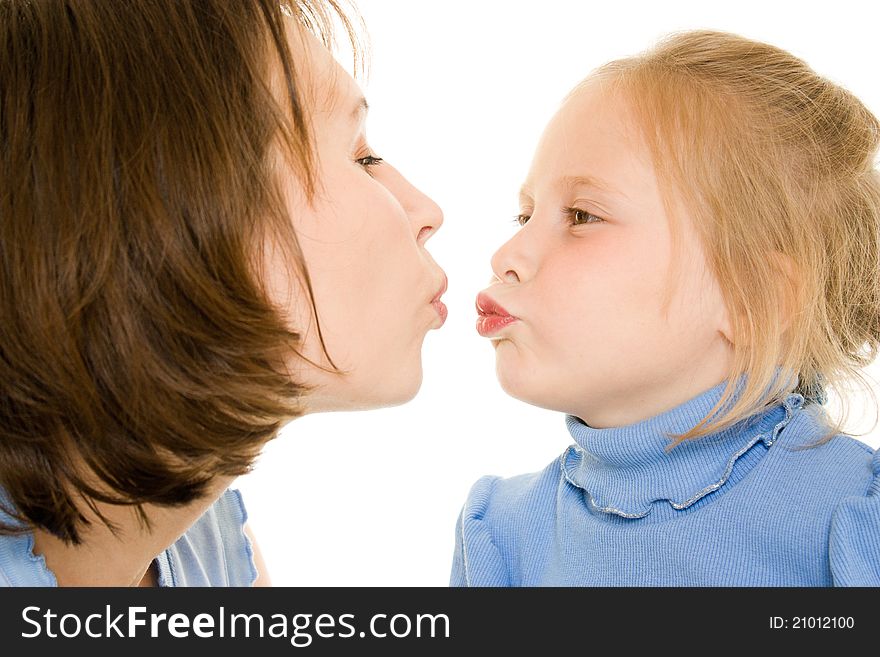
(698, 261)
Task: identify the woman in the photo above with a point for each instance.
(197, 246)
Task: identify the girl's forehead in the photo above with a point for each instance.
(593, 135)
(595, 114)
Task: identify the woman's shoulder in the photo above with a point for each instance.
(214, 551)
(19, 566)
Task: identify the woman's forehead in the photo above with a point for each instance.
(329, 86)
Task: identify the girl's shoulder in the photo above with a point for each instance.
(505, 499)
(841, 475)
(854, 539)
(839, 467)
(499, 514)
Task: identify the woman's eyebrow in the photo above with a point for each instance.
(361, 107)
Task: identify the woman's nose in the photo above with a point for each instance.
(426, 217)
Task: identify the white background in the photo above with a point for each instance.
(460, 91)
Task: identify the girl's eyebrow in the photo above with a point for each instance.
(574, 182)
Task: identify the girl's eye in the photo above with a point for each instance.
(580, 217)
(369, 162)
(576, 217)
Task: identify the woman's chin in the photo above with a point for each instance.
(390, 391)
(403, 390)
(387, 399)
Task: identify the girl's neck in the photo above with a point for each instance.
(125, 558)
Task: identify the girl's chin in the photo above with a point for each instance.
(526, 385)
(516, 386)
(533, 398)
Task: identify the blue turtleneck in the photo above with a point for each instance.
(741, 507)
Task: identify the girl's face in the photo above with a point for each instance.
(363, 238)
(585, 274)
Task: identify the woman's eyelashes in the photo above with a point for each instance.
(368, 162)
(575, 216)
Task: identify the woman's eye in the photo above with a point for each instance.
(369, 162)
(521, 219)
(579, 217)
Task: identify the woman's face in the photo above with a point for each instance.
(585, 276)
(363, 237)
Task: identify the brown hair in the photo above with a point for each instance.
(775, 166)
(140, 353)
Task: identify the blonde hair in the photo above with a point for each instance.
(775, 165)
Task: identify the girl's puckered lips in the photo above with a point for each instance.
(492, 317)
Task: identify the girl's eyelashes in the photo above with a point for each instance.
(576, 217)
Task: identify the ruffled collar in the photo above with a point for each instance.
(625, 470)
(31, 569)
(17, 551)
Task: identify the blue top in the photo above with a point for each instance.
(741, 507)
(214, 551)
